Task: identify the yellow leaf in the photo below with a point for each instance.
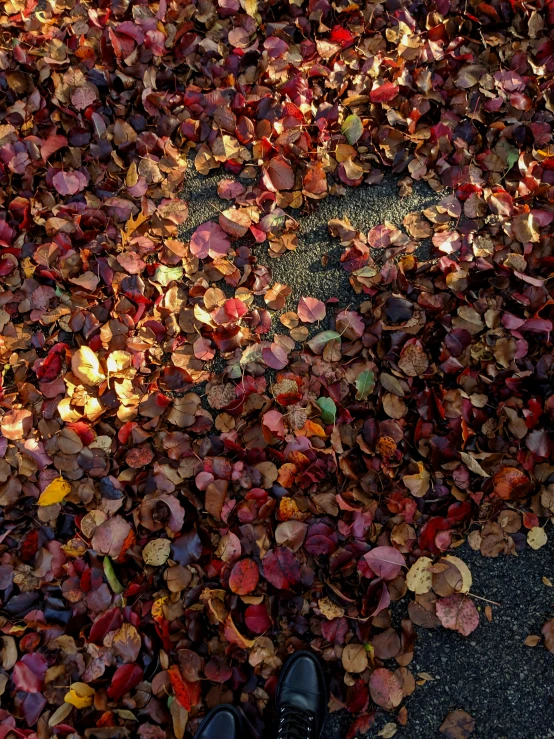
(157, 607)
(418, 579)
(536, 537)
(28, 267)
(86, 367)
(251, 8)
(80, 695)
(156, 552)
(118, 361)
(418, 484)
(466, 579)
(55, 492)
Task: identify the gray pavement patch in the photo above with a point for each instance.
(302, 270)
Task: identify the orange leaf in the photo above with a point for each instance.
(187, 693)
(312, 429)
(287, 474)
(130, 540)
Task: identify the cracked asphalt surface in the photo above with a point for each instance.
(507, 687)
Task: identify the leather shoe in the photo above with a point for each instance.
(222, 722)
(301, 698)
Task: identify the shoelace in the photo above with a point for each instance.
(295, 723)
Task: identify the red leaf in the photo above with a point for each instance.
(275, 356)
(281, 568)
(209, 239)
(386, 562)
(235, 309)
(230, 189)
(257, 618)
(383, 94)
(27, 676)
(82, 97)
(279, 175)
(203, 349)
(273, 420)
(109, 621)
(361, 725)
(52, 145)
(341, 35)
(379, 237)
(124, 680)
(244, 577)
(311, 310)
(458, 613)
(385, 689)
(69, 183)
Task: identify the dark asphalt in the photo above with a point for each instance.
(507, 687)
(302, 269)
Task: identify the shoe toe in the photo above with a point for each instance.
(222, 722)
(302, 684)
(304, 673)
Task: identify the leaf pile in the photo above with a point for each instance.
(194, 483)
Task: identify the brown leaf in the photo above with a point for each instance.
(354, 658)
(457, 725)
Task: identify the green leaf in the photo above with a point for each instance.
(352, 128)
(164, 275)
(109, 571)
(125, 714)
(513, 156)
(365, 272)
(328, 409)
(318, 343)
(365, 382)
(234, 370)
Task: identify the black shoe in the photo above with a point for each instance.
(222, 722)
(301, 698)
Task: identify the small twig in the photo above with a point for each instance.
(485, 599)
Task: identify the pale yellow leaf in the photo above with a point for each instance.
(418, 484)
(156, 552)
(463, 569)
(418, 578)
(536, 537)
(85, 365)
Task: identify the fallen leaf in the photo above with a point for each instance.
(532, 640)
(54, 492)
(311, 310)
(385, 689)
(354, 658)
(536, 537)
(458, 725)
(156, 552)
(244, 577)
(458, 613)
(418, 578)
(80, 695)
